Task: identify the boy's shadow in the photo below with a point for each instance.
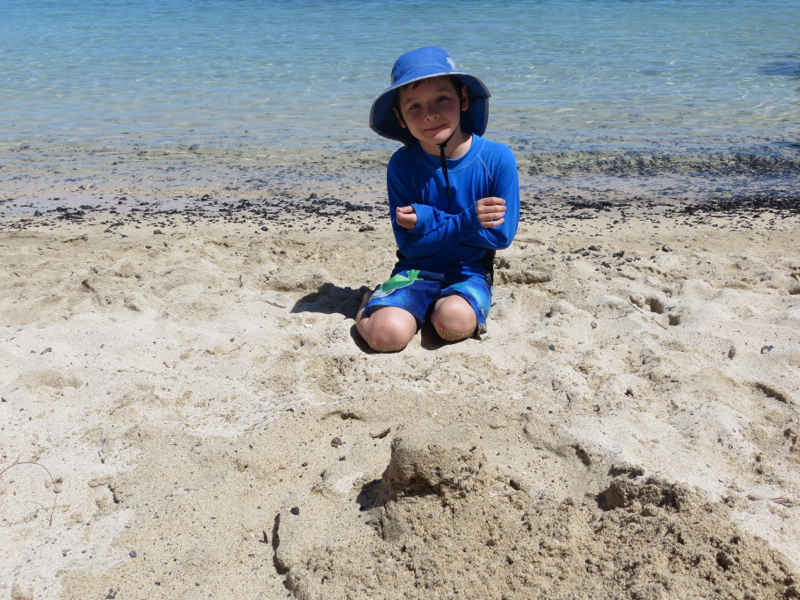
(331, 299)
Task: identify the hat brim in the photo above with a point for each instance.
(383, 121)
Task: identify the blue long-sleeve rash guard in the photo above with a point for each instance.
(448, 237)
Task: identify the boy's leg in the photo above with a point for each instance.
(385, 328)
(462, 308)
(453, 318)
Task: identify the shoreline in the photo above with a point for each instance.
(184, 389)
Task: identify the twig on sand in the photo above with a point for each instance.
(653, 319)
(52, 481)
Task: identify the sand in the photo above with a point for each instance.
(190, 413)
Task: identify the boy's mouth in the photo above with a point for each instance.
(435, 129)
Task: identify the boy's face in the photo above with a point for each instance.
(431, 112)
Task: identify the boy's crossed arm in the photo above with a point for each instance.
(491, 212)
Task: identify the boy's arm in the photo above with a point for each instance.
(506, 186)
(433, 229)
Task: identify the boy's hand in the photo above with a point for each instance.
(406, 217)
(491, 211)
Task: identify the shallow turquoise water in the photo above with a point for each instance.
(682, 77)
(625, 73)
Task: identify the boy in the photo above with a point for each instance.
(453, 197)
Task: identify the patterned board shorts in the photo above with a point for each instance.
(417, 292)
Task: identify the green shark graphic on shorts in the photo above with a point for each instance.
(397, 282)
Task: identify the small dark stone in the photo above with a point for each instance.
(552, 347)
(132, 553)
(765, 349)
(666, 249)
(619, 254)
(341, 458)
(605, 264)
(157, 232)
(295, 510)
(594, 248)
(336, 442)
(594, 325)
(48, 349)
(37, 214)
(364, 228)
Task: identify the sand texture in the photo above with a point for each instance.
(191, 414)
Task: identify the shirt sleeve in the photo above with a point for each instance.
(503, 169)
(435, 229)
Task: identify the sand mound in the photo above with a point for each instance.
(445, 525)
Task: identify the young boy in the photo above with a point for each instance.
(453, 197)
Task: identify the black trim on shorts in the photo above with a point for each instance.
(487, 262)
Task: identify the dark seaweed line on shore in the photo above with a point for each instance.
(314, 212)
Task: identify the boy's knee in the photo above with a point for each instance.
(388, 340)
(386, 331)
(453, 336)
(454, 319)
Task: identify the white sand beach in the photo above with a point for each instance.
(210, 425)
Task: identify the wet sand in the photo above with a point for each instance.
(211, 425)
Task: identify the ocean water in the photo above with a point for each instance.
(587, 90)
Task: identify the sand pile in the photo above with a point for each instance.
(627, 428)
(445, 525)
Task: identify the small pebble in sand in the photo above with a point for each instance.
(336, 442)
(46, 350)
(552, 347)
(619, 254)
(295, 510)
(666, 249)
(765, 349)
(594, 325)
(132, 553)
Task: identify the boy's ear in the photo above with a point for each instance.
(400, 117)
(464, 99)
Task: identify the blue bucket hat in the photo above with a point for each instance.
(424, 63)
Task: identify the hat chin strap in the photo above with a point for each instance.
(442, 146)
